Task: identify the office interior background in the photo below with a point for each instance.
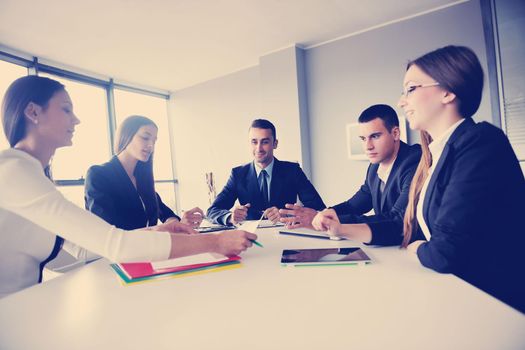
(202, 70)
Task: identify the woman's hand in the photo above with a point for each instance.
(233, 242)
(327, 220)
(412, 247)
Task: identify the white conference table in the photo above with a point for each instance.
(394, 303)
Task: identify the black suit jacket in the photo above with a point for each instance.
(389, 207)
(288, 182)
(474, 209)
(110, 194)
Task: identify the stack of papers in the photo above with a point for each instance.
(179, 267)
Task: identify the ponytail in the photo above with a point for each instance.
(421, 174)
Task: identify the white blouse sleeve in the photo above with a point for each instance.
(79, 253)
(25, 191)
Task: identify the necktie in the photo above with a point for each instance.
(381, 186)
(264, 187)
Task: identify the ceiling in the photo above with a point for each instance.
(173, 44)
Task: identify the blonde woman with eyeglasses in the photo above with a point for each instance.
(466, 201)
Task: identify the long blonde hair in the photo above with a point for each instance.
(421, 174)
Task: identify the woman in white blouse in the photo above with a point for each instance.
(38, 118)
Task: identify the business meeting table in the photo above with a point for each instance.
(393, 303)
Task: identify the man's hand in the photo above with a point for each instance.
(174, 226)
(272, 214)
(239, 214)
(193, 217)
(296, 216)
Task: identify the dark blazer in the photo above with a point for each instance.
(474, 209)
(389, 208)
(110, 194)
(288, 182)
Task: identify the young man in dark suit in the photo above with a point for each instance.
(387, 182)
(264, 185)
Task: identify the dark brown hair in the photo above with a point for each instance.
(143, 170)
(20, 93)
(384, 112)
(264, 124)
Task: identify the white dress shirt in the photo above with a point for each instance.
(436, 149)
(32, 211)
(383, 173)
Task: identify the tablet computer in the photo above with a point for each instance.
(325, 256)
(305, 232)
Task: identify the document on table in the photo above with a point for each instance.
(250, 226)
(268, 223)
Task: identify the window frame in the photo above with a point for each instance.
(496, 82)
(34, 67)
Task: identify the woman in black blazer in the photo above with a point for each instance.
(122, 191)
(465, 210)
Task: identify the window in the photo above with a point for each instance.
(9, 72)
(155, 108)
(91, 139)
(504, 26)
(94, 134)
(90, 142)
(510, 17)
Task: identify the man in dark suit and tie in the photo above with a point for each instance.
(392, 166)
(264, 185)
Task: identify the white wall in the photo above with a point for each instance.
(346, 76)
(281, 100)
(310, 95)
(209, 123)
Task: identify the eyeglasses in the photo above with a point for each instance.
(410, 89)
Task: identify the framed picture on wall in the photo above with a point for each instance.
(355, 145)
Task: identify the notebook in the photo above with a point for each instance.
(309, 233)
(126, 280)
(145, 269)
(324, 257)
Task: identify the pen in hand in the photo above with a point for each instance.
(253, 240)
(256, 243)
